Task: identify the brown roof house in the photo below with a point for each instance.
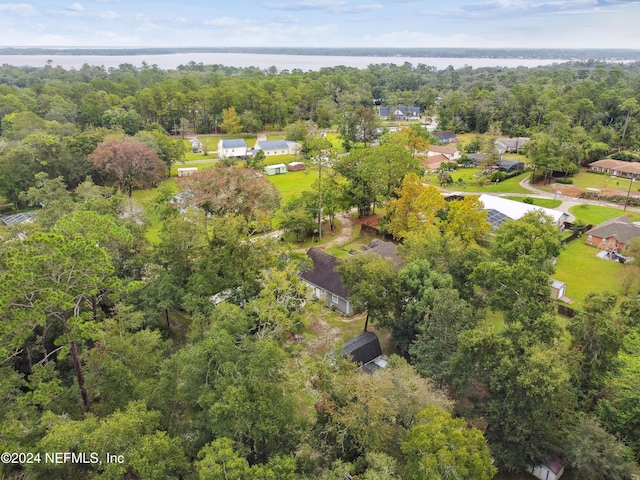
(613, 234)
(452, 154)
(617, 168)
(434, 162)
(325, 282)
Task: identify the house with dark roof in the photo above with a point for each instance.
(401, 112)
(365, 351)
(232, 147)
(504, 145)
(326, 282)
(613, 234)
(445, 136)
(510, 166)
(387, 250)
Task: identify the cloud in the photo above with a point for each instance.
(333, 6)
(541, 7)
(225, 22)
(75, 7)
(306, 5)
(20, 9)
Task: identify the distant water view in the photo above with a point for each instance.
(262, 61)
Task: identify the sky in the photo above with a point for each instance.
(323, 23)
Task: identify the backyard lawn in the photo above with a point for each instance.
(464, 180)
(538, 202)
(291, 184)
(583, 272)
(596, 214)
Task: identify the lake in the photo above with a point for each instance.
(262, 61)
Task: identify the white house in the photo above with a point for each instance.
(453, 154)
(278, 147)
(501, 209)
(234, 147)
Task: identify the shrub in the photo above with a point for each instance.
(528, 200)
(498, 176)
(565, 181)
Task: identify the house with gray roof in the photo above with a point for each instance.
(325, 281)
(387, 250)
(278, 147)
(16, 218)
(400, 112)
(613, 234)
(445, 136)
(232, 147)
(515, 145)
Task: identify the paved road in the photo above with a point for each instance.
(568, 201)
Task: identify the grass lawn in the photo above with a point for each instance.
(291, 184)
(539, 202)
(584, 273)
(357, 240)
(596, 214)
(464, 180)
(143, 198)
(586, 179)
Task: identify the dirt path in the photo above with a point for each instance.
(345, 232)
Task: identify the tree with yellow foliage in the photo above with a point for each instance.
(416, 207)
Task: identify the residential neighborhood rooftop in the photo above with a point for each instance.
(324, 274)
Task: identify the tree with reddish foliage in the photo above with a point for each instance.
(129, 162)
(231, 190)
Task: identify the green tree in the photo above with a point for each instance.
(371, 282)
(133, 433)
(441, 447)
(118, 118)
(55, 279)
(594, 454)
(521, 387)
(250, 122)
(597, 334)
(318, 151)
(370, 413)
(297, 131)
(437, 341)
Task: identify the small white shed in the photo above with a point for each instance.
(275, 169)
(549, 471)
(186, 171)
